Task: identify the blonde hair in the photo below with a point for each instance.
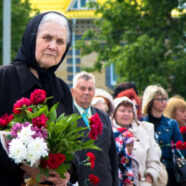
(148, 96)
(174, 103)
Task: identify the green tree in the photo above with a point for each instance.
(143, 40)
(21, 13)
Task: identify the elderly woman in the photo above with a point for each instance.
(103, 101)
(45, 43)
(154, 104)
(146, 150)
(131, 94)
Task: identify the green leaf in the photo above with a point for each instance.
(53, 113)
(38, 178)
(62, 169)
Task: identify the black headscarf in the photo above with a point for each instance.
(26, 54)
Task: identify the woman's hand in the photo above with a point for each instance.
(55, 178)
(148, 178)
(31, 171)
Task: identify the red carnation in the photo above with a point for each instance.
(183, 129)
(5, 119)
(94, 179)
(38, 96)
(91, 159)
(95, 126)
(19, 104)
(179, 145)
(55, 160)
(40, 121)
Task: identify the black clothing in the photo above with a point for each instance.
(154, 120)
(106, 163)
(26, 54)
(16, 81)
(171, 178)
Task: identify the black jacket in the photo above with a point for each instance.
(16, 81)
(106, 164)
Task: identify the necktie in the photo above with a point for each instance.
(85, 118)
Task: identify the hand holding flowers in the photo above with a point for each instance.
(39, 138)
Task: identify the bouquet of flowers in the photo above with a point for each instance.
(37, 137)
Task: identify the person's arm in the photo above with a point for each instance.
(153, 155)
(113, 156)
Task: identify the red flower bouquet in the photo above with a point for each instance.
(37, 137)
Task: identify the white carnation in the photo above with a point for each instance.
(25, 135)
(17, 150)
(37, 148)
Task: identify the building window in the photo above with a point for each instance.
(111, 76)
(79, 5)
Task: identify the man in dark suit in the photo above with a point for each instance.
(106, 164)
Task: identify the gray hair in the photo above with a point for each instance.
(83, 75)
(59, 18)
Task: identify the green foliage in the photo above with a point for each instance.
(64, 136)
(21, 13)
(145, 43)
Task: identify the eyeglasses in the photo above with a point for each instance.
(161, 99)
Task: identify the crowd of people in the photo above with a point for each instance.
(137, 130)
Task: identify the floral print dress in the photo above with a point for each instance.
(126, 174)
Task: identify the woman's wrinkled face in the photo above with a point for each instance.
(51, 43)
(124, 115)
(180, 116)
